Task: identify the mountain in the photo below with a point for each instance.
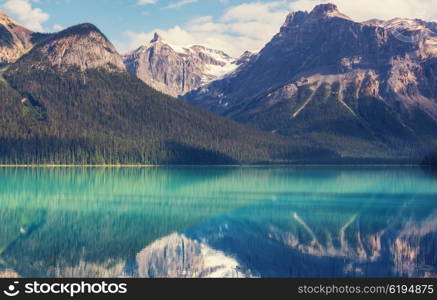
(360, 89)
(71, 100)
(15, 40)
(82, 47)
(176, 70)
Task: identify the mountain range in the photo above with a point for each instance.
(69, 99)
(359, 89)
(324, 89)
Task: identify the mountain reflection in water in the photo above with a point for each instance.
(218, 222)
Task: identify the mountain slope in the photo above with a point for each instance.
(15, 40)
(178, 70)
(356, 88)
(70, 100)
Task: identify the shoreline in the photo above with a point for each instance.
(77, 166)
(209, 166)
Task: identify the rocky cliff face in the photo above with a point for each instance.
(332, 80)
(177, 70)
(15, 40)
(82, 47)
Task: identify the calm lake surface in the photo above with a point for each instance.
(218, 222)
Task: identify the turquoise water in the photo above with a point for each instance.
(218, 222)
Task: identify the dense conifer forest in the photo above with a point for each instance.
(101, 117)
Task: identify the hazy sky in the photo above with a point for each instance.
(230, 25)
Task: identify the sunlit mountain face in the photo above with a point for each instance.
(357, 88)
(218, 222)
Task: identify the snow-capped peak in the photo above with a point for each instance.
(156, 38)
(176, 69)
(404, 24)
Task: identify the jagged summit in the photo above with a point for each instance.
(319, 13)
(329, 10)
(245, 57)
(295, 17)
(156, 38)
(324, 9)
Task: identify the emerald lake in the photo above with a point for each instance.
(218, 222)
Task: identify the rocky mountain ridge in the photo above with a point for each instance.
(177, 70)
(331, 80)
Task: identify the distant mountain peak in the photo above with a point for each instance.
(176, 70)
(80, 29)
(82, 46)
(320, 12)
(156, 38)
(245, 57)
(88, 26)
(328, 10)
(15, 40)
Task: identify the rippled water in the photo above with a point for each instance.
(218, 222)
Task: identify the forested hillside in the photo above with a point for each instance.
(97, 116)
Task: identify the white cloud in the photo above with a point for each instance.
(361, 10)
(233, 45)
(32, 18)
(243, 27)
(256, 11)
(144, 2)
(180, 3)
(136, 39)
(57, 27)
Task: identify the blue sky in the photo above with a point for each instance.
(230, 25)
